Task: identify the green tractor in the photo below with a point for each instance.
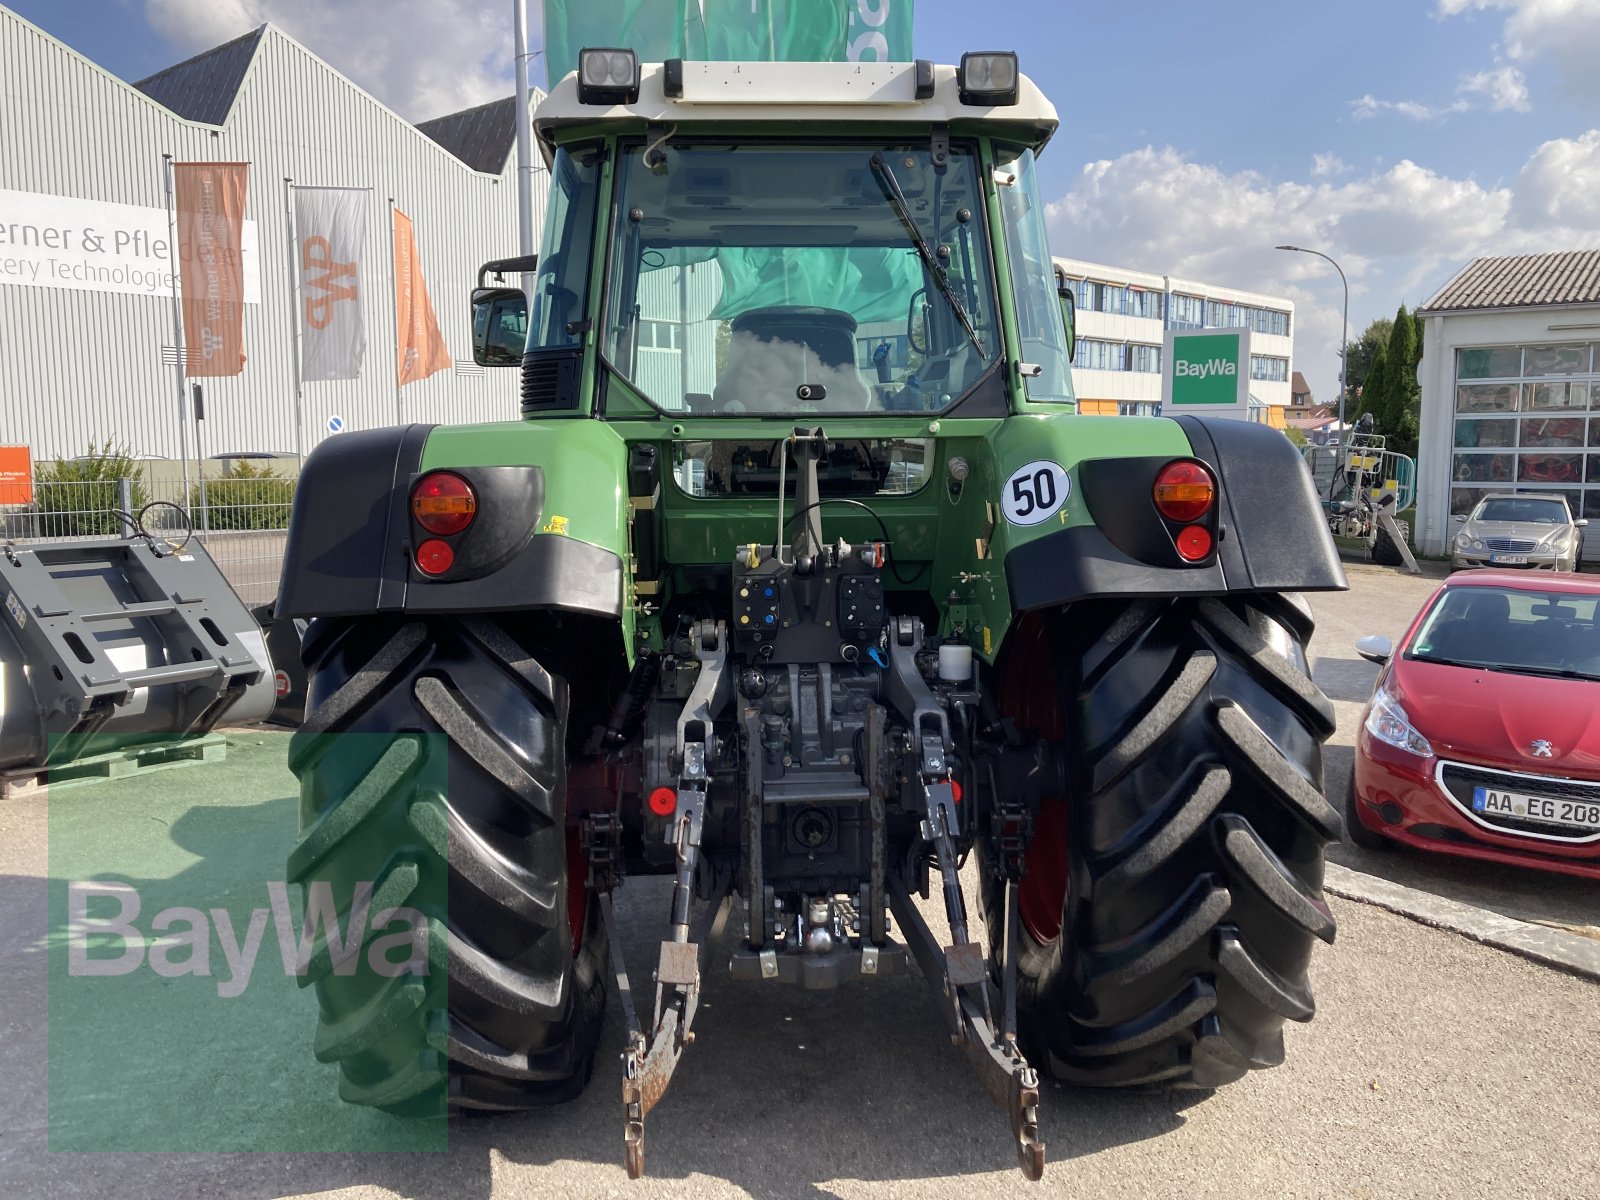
(800, 582)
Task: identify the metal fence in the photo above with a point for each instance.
(242, 521)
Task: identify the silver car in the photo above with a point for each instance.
(1519, 529)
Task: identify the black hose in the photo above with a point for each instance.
(894, 567)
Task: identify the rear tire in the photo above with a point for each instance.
(1384, 551)
(432, 762)
(1193, 849)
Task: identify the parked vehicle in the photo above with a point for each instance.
(1481, 738)
(1363, 484)
(1530, 530)
(614, 639)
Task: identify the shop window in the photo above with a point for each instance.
(1552, 431)
(1556, 360)
(1550, 468)
(1464, 500)
(1546, 396)
(1489, 362)
(1485, 468)
(1487, 398)
(1474, 433)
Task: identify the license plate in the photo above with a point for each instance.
(1570, 814)
(1509, 560)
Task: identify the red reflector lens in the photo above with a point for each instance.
(443, 503)
(663, 802)
(955, 790)
(1194, 543)
(435, 557)
(1184, 491)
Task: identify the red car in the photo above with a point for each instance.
(1482, 738)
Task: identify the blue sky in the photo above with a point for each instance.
(1402, 136)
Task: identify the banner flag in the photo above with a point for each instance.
(422, 351)
(330, 231)
(209, 199)
(730, 30)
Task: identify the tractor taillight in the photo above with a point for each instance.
(435, 557)
(1194, 543)
(443, 503)
(1184, 491)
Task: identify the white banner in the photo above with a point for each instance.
(330, 227)
(96, 246)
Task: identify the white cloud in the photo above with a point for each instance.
(1499, 89)
(424, 58)
(1398, 231)
(1559, 189)
(1567, 32)
(1324, 165)
(1504, 87)
(1370, 106)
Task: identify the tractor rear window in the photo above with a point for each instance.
(778, 279)
(852, 467)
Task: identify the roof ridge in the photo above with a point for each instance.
(462, 112)
(257, 33)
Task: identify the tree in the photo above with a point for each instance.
(1374, 390)
(1401, 413)
(1362, 351)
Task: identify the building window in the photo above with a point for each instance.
(1273, 370)
(1147, 359)
(1142, 303)
(1138, 408)
(1094, 355)
(1527, 418)
(659, 335)
(1222, 314)
(1188, 312)
(1111, 298)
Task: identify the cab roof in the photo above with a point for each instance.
(822, 94)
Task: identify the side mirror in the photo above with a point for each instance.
(1069, 312)
(1375, 649)
(499, 326)
(1582, 522)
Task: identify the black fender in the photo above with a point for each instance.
(351, 537)
(1271, 534)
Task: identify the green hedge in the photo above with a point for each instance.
(250, 498)
(77, 499)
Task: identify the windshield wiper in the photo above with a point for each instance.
(897, 200)
(1552, 672)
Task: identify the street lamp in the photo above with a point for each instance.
(1344, 342)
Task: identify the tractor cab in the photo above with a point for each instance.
(740, 239)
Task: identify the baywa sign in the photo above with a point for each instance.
(1207, 370)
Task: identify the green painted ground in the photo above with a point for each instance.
(148, 1061)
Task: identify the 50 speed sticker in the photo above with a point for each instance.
(1035, 492)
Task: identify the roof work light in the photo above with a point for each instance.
(989, 77)
(608, 77)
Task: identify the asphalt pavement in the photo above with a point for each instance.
(1436, 1066)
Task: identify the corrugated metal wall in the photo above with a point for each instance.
(81, 367)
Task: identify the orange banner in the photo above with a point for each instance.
(421, 346)
(210, 207)
(16, 475)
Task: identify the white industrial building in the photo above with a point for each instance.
(1123, 316)
(90, 339)
(1510, 380)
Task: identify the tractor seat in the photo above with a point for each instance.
(774, 350)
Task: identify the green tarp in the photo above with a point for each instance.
(760, 31)
(730, 30)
